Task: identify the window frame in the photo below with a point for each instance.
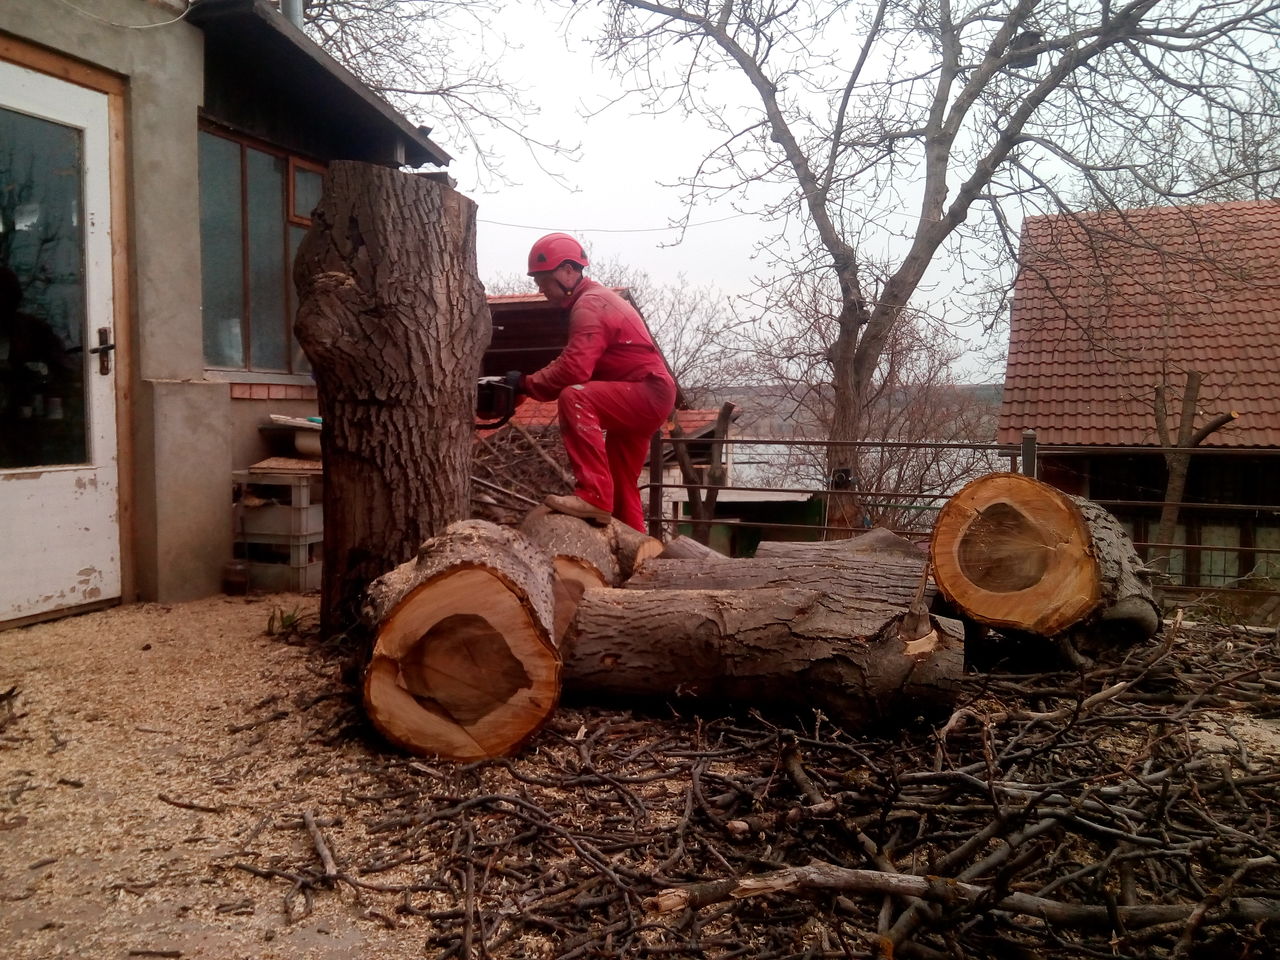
(247, 373)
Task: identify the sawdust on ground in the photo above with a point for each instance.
(129, 787)
(149, 753)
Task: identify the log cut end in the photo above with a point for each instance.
(462, 669)
(1013, 552)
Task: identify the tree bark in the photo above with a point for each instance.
(877, 541)
(768, 647)
(1016, 554)
(892, 580)
(464, 665)
(687, 548)
(393, 319)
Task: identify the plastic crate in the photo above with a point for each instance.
(280, 520)
(284, 577)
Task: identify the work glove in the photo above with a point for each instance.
(512, 378)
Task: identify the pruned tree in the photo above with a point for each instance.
(889, 136)
(1177, 438)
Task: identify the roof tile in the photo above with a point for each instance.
(1100, 310)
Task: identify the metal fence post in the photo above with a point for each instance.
(655, 485)
(1029, 453)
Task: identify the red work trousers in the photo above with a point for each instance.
(606, 426)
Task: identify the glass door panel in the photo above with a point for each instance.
(43, 419)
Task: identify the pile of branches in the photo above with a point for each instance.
(1064, 814)
(513, 469)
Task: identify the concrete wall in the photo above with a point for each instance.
(180, 423)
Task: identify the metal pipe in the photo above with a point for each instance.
(292, 10)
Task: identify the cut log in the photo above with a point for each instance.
(582, 556)
(687, 548)
(630, 547)
(1017, 554)
(564, 536)
(771, 647)
(876, 541)
(464, 666)
(890, 579)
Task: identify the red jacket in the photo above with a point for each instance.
(607, 341)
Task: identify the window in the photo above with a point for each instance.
(255, 207)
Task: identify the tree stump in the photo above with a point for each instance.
(464, 665)
(768, 647)
(393, 317)
(1014, 553)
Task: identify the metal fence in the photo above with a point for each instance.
(1252, 569)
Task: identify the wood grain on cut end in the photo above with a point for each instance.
(465, 666)
(1016, 553)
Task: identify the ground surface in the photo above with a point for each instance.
(158, 765)
(122, 718)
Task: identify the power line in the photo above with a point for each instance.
(528, 226)
(124, 26)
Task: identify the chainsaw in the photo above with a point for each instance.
(496, 399)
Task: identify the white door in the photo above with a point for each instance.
(59, 507)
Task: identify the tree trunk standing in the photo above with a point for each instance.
(844, 510)
(764, 647)
(393, 319)
(702, 503)
(1177, 462)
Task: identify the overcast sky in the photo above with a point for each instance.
(614, 200)
(618, 197)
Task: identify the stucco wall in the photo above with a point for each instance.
(180, 424)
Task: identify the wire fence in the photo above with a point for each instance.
(1218, 546)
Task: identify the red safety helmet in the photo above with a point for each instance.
(553, 250)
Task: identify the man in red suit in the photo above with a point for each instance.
(610, 383)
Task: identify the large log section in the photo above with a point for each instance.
(393, 317)
(1017, 554)
(464, 666)
(889, 579)
(769, 646)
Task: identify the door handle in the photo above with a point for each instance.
(103, 350)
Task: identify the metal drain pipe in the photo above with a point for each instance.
(292, 10)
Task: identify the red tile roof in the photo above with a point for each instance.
(1105, 302)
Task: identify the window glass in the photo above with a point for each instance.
(306, 192)
(300, 362)
(221, 251)
(1219, 568)
(1267, 563)
(265, 175)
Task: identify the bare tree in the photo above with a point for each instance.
(894, 135)
(438, 61)
(913, 404)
